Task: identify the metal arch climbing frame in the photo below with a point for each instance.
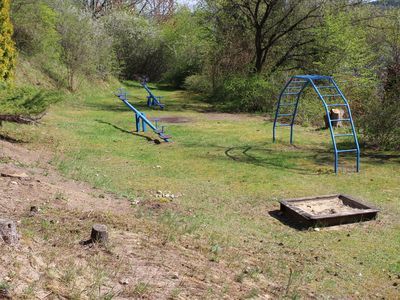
(295, 87)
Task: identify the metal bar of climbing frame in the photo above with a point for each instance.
(295, 110)
(352, 124)
(330, 126)
(277, 110)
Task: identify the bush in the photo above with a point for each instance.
(137, 43)
(199, 84)
(186, 46)
(86, 47)
(7, 49)
(35, 31)
(381, 123)
(27, 100)
(249, 94)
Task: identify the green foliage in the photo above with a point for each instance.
(137, 43)
(35, 31)
(247, 93)
(382, 120)
(186, 46)
(27, 100)
(198, 84)
(86, 48)
(7, 49)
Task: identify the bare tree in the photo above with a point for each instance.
(271, 21)
(159, 9)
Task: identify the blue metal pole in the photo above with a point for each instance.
(330, 125)
(137, 118)
(139, 114)
(144, 129)
(295, 111)
(352, 125)
(277, 110)
(150, 93)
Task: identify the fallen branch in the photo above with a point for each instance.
(21, 119)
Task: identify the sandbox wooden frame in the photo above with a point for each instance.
(294, 214)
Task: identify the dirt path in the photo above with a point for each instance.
(139, 262)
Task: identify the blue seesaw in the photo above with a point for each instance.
(152, 100)
(141, 120)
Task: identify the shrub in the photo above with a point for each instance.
(86, 47)
(186, 46)
(7, 49)
(247, 94)
(27, 100)
(35, 28)
(198, 84)
(137, 43)
(381, 123)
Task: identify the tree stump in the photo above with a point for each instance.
(99, 234)
(4, 294)
(8, 232)
(334, 114)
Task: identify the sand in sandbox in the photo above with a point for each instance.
(328, 206)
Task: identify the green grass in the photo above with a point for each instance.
(231, 176)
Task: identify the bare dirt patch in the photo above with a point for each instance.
(173, 120)
(140, 261)
(229, 116)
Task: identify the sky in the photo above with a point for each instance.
(190, 3)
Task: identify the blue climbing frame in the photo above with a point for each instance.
(333, 97)
(140, 118)
(152, 100)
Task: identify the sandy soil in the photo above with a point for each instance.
(326, 207)
(138, 263)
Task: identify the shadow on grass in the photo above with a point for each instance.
(381, 158)
(277, 214)
(149, 139)
(7, 138)
(281, 160)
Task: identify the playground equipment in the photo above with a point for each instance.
(331, 97)
(152, 100)
(141, 120)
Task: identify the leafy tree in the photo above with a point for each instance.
(138, 45)
(381, 122)
(186, 46)
(7, 49)
(86, 48)
(35, 31)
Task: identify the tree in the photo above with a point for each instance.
(86, 47)
(35, 31)
(186, 46)
(137, 43)
(7, 49)
(271, 22)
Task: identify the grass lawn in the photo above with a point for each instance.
(231, 176)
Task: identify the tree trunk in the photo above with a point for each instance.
(259, 50)
(99, 234)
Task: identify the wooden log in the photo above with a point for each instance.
(8, 232)
(21, 119)
(99, 234)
